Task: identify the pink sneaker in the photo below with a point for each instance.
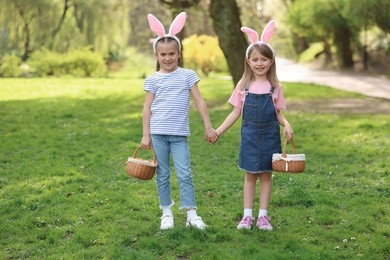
(263, 223)
(246, 222)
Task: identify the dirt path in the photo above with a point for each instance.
(376, 89)
(367, 105)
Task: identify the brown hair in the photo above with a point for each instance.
(248, 76)
(168, 40)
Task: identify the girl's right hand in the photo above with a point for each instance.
(211, 136)
(146, 142)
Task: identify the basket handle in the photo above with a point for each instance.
(292, 147)
(139, 147)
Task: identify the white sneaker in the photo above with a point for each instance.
(196, 222)
(166, 222)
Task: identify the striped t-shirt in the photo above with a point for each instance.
(171, 104)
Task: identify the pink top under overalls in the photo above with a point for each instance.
(238, 96)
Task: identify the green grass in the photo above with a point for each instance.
(63, 194)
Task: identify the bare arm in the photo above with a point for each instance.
(202, 108)
(229, 121)
(287, 127)
(146, 141)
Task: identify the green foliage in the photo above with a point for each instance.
(310, 53)
(315, 49)
(338, 23)
(380, 14)
(84, 63)
(63, 27)
(10, 66)
(79, 63)
(203, 53)
(46, 63)
(64, 196)
(136, 64)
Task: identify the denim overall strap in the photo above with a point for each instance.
(260, 133)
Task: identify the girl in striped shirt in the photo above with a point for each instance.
(166, 120)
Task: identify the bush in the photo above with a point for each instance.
(203, 53)
(10, 66)
(78, 63)
(310, 53)
(46, 63)
(85, 63)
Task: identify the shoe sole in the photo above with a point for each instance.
(243, 227)
(189, 226)
(165, 228)
(266, 229)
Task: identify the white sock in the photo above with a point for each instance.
(167, 211)
(248, 212)
(191, 213)
(263, 212)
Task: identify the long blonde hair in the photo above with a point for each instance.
(248, 76)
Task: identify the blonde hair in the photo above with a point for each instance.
(248, 76)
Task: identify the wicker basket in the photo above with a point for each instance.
(291, 163)
(140, 168)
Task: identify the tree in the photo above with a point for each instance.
(380, 14)
(227, 25)
(177, 6)
(338, 23)
(318, 20)
(62, 19)
(62, 25)
(27, 15)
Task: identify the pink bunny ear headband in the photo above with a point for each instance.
(176, 27)
(265, 36)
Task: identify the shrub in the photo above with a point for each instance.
(203, 53)
(46, 63)
(10, 66)
(78, 63)
(85, 63)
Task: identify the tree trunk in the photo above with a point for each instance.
(62, 19)
(327, 52)
(342, 41)
(26, 28)
(227, 25)
(26, 42)
(299, 43)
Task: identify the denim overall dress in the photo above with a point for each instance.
(260, 133)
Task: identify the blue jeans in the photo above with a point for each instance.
(164, 145)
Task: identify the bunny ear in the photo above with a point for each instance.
(156, 25)
(268, 31)
(177, 24)
(252, 34)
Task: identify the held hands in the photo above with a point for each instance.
(211, 136)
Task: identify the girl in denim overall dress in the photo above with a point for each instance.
(258, 97)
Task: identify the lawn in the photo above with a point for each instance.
(64, 195)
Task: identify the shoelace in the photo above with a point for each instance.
(166, 218)
(264, 221)
(194, 219)
(246, 221)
